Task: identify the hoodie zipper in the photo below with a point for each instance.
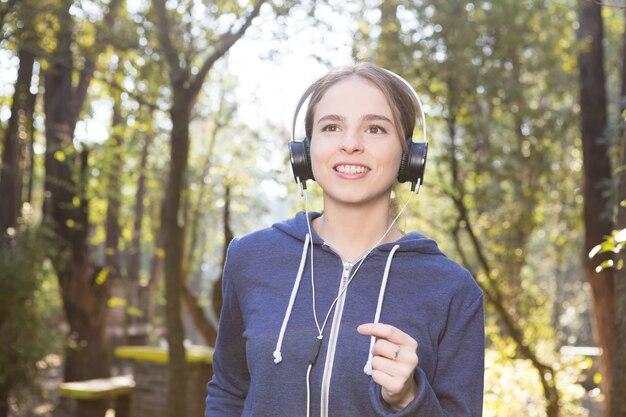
(332, 341)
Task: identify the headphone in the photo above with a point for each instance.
(413, 158)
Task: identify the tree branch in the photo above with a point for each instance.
(147, 102)
(86, 74)
(493, 293)
(171, 55)
(225, 42)
(198, 316)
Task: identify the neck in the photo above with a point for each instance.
(352, 231)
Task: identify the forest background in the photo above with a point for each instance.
(139, 137)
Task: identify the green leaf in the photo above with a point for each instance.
(102, 276)
(59, 156)
(606, 264)
(116, 302)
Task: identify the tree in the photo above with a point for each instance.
(597, 174)
(25, 319)
(219, 119)
(618, 380)
(18, 137)
(187, 73)
(113, 192)
(84, 289)
(486, 71)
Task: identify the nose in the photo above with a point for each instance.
(351, 142)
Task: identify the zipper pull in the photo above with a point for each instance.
(346, 270)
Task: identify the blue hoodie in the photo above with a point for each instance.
(265, 341)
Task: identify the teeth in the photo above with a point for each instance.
(351, 169)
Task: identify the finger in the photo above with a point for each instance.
(392, 384)
(388, 332)
(390, 367)
(385, 348)
(402, 367)
(394, 390)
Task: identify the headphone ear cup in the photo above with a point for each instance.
(300, 156)
(413, 163)
(402, 172)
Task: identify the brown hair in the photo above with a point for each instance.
(399, 99)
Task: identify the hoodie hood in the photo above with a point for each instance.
(297, 228)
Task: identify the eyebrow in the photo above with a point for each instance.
(367, 117)
(372, 117)
(332, 118)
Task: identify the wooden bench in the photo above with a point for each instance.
(151, 371)
(89, 398)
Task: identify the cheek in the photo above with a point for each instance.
(314, 156)
(395, 159)
(316, 153)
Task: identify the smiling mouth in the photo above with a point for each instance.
(351, 169)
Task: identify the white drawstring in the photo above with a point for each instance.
(277, 354)
(381, 295)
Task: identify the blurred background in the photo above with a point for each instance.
(139, 137)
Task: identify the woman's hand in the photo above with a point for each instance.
(393, 363)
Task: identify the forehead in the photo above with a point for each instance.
(353, 97)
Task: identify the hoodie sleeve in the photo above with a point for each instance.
(228, 387)
(456, 388)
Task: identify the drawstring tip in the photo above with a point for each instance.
(367, 369)
(278, 358)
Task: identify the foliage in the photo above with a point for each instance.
(512, 387)
(29, 307)
(614, 244)
(498, 80)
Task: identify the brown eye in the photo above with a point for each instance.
(330, 128)
(376, 130)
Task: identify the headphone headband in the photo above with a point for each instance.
(303, 98)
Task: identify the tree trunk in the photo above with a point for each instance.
(174, 238)
(4, 400)
(139, 296)
(618, 387)
(113, 230)
(147, 294)
(134, 257)
(186, 85)
(84, 300)
(11, 175)
(84, 289)
(597, 173)
(29, 152)
(389, 40)
(228, 237)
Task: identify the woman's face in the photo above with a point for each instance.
(355, 148)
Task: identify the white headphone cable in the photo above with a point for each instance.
(320, 329)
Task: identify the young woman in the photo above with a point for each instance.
(340, 313)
